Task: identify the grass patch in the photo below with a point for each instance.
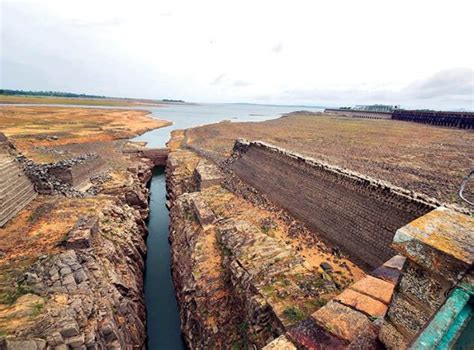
(11, 296)
(294, 314)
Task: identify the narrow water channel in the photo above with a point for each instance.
(163, 326)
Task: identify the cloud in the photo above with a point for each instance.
(277, 48)
(450, 82)
(224, 80)
(219, 79)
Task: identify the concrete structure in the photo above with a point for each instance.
(157, 155)
(359, 113)
(429, 308)
(16, 190)
(357, 213)
(432, 302)
(79, 172)
(461, 120)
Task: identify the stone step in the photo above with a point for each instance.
(14, 192)
(6, 162)
(13, 186)
(15, 204)
(24, 201)
(9, 171)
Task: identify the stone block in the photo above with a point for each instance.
(12, 343)
(207, 175)
(280, 343)
(81, 236)
(423, 286)
(342, 321)
(375, 287)
(441, 241)
(307, 334)
(362, 302)
(391, 337)
(407, 316)
(204, 214)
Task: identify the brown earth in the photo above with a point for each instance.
(32, 129)
(426, 159)
(62, 284)
(112, 102)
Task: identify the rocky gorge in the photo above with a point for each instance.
(72, 261)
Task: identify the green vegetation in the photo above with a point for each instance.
(45, 93)
(37, 308)
(11, 296)
(294, 314)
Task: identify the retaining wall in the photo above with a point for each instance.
(16, 190)
(359, 114)
(357, 213)
(77, 174)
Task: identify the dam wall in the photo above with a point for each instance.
(461, 120)
(158, 156)
(359, 113)
(354, 212)
(16, 190)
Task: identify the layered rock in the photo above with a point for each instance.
(238, 283)
(88, 292)
(16, 190)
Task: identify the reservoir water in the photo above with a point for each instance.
(163, 325)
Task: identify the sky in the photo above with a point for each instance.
(419, 54)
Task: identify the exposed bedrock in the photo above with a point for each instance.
(241, 281)
(355, 212)
(89, 295)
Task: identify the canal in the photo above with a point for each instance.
(163, 324)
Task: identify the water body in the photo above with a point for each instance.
(163, 325)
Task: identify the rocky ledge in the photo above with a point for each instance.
(244, 271)
(85, 291)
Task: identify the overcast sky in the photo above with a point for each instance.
(413, 53)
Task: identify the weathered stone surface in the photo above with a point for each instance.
(375, 287)
(342, 321)
(308, 334)
(207, 175)
(81, 236)
(12, 343)
(280, 343)
(441, 241)
(204, 214)
(330, 199)
(424, 287)
(362, 302)
(407, 316)
(391, 337)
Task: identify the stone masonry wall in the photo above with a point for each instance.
(355, 212)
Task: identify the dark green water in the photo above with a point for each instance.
(163, 326)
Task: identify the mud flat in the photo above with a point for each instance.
(72, 260)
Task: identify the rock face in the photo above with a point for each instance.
(238, 284)
(90, 293)
(347, 208)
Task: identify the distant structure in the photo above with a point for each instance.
(461, 120)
